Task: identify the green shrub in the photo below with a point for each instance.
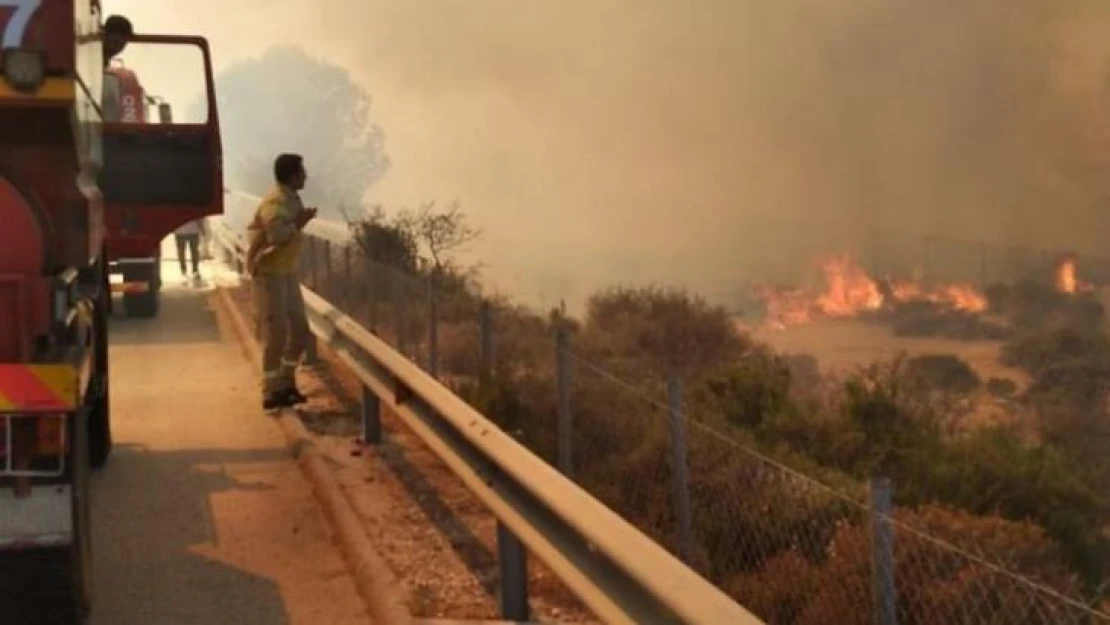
(655, 331)
(751, 391)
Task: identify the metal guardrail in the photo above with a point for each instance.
(616, 570)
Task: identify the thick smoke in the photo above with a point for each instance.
(716, 141)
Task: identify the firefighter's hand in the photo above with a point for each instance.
(306, 216)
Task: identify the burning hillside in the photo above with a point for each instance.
(913, 308)
(849, 292)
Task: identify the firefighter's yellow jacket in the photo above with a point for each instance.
(274, 239)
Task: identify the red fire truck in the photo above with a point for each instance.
(132, 254)
(67, 177)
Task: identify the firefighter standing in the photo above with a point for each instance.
(272, 260)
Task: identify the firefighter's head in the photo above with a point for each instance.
(117, 30)
(289, 171)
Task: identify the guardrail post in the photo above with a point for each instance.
(883, 590)
(485, 345)
(562, 382)
(371, 417)
(513, 566)
(433, 331)
(680, 470)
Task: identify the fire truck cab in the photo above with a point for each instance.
(139, 216)
(80, 189)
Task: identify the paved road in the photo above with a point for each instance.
(201, 517)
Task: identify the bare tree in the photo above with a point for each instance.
(442, 234)
(423, 240)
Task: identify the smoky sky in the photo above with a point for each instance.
(711, 142)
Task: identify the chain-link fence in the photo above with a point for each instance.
(792, 548)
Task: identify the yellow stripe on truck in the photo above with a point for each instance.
(53, 88)
(38, 388)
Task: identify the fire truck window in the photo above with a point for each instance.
(157, 83)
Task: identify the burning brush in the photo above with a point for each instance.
(1064, 276)
(850, 292)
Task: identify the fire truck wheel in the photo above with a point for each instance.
(100, 429)
(156, 279)
(100, 410)
(140, 304)
(79, 602)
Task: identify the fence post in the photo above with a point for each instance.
(371, 417)
(513, 566)
(883, 590)
(324, 289)
(372, 295)
(562, 382)
(346, 286)
(433, 331)
(680, 470)
(485, 346)
(398, 313)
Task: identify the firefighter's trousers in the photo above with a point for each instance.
(282, 327)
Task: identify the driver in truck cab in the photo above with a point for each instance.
(117, 30)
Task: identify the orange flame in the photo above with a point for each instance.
(1065, 275)
(849, 291)
(1065, 278)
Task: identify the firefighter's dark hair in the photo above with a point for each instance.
(118, 25)
(286, 166)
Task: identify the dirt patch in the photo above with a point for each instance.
(839, 345)
(437, 537)
(843, 345)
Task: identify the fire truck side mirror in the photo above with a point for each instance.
(165, 113)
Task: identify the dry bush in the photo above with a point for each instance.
(936, 582)
(942, 372)
(657, 331)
